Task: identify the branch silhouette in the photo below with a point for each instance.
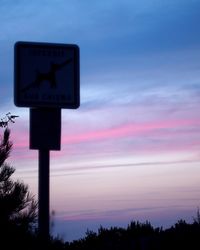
(8, 118)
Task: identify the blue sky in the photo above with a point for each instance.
(131, 151)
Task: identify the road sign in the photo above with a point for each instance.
(46, 75)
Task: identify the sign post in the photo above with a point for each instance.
(45, 135)
(43, 190)
(46, 79)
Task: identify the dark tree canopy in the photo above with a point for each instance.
(18, 209)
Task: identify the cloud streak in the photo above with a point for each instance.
(129, 130)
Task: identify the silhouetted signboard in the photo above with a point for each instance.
(46, 75)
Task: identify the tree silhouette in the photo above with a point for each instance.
(18, 209)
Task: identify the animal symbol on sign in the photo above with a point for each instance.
(49, 76)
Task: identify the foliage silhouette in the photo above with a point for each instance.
(8, 118)
(141, 236)
(18, 209)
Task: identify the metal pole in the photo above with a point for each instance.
(43, 209)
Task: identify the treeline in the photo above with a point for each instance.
(137, 236)
(142, 236)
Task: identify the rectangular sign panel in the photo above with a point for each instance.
(45, 128)
(46, 75)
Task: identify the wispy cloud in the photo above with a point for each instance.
(127, 130)
(66, 169)
(131, 213)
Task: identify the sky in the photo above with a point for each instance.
(131, 151)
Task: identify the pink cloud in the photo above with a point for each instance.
(152, 137)
(132, 129)
(20, 140)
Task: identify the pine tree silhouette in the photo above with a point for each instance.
(18, 209)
